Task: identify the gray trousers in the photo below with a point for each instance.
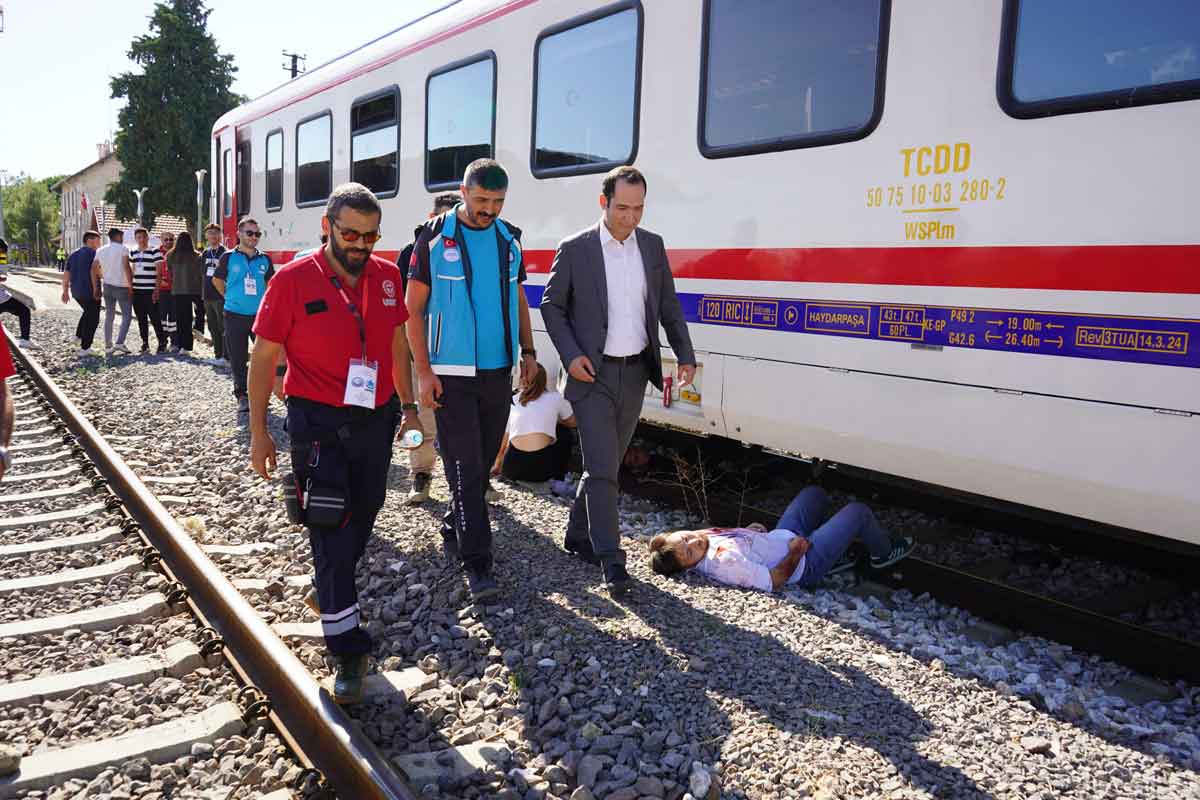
(114, 296)
(607, 416)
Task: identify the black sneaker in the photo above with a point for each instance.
(901, 547)
(162, 348)
(420, 489)
(482, 584)
(617, 580)
(145, 349)
(348, 680)
(849, 560)
(583, 552)
(243, 404)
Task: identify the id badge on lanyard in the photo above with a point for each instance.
(250, 285)
(360, 383)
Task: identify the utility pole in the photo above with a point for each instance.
(295, 67)
(200, 173)
(139, 194)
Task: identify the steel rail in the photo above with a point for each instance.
(313, 722)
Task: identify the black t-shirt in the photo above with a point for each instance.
(212, 256)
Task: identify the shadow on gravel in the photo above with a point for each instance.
(645, 675)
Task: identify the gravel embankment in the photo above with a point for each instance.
(688, 686)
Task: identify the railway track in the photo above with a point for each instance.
(1094, 624)
(140, 618)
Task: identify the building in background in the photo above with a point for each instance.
(83, 207)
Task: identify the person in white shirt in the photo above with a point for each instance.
(610, 288)
(112, 260)
(537, 442)
(803, 548)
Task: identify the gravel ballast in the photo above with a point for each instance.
(686, 688)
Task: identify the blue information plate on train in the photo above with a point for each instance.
(1141, 340)
(1172, 342)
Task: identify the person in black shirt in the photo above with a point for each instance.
(421, 460)
(82, 281)
(214, 302)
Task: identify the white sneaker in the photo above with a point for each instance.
(120, 349)
(83, 352)
(24, 343)
(186, 353)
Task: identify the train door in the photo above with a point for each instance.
(224, 210)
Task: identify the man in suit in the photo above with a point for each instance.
(610, 286)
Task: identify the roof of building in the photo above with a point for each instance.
(106, 217)
(74, 175)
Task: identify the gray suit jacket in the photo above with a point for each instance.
(575, 304)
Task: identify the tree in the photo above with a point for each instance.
(163, 135)
(26, 203)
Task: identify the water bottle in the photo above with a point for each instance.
(411, 440)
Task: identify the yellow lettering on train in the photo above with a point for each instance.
(938, 159)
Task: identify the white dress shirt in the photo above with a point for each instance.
(626, 279)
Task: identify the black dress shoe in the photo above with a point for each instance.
(583, 552)
(617, 580)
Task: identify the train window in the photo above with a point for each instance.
(586, 76)
(375, 142)
(780, 74)
(1068, 56)
(274, 172)
(460, 119)
(314, 159)
(243, 179)
(227, 183)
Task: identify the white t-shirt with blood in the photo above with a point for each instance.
(745, 557)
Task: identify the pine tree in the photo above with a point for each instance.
(164, 128)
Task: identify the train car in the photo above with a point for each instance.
(955, 242)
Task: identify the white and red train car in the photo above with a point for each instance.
(956, 242)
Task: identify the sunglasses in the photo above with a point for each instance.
(351, 235)
(254, 234)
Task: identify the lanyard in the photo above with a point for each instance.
(352, 307)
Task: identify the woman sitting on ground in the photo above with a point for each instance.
(537, 443)
(802, 549)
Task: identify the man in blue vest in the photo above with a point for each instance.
(470, 326)
(241, 278)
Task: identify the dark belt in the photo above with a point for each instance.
(633, 359)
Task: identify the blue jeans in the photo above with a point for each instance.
(805, 516)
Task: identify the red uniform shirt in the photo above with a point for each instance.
(304, 312)
(7, 370)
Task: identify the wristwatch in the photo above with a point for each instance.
(410, 407)
(528, 351)
(5, 458)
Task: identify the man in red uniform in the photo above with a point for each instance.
(339, 315)
(6, 405)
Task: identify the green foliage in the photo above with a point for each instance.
(27, 202)
(164, 129)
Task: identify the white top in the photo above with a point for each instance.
(744, 557)
(112, 265)
(626, 279)
(540, 416)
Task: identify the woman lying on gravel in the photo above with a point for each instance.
(802, 549)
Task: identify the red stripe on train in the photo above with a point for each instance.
(1173, 269)
(1097, 268)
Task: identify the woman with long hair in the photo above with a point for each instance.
(187, 282)
(537, 443)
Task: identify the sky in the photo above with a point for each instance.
(57, 56)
